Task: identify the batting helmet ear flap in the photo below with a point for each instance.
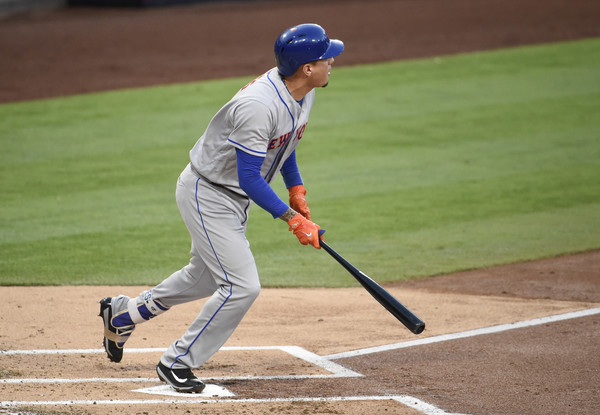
(304, 43)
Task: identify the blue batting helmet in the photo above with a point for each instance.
(304, 43)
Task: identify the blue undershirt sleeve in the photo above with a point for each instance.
(255, 186)
(290, 173)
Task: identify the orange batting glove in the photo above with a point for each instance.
(298, 201)
(306, 231)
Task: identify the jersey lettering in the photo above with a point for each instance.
(281, 140)
(300, 132)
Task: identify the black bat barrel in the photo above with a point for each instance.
(395, 307)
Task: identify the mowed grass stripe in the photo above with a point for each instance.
(415, 168)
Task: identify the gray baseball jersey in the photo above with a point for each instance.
(262, 119)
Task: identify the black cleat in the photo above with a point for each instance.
(182, 380)
(114, 338)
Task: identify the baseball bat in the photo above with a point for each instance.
(398, 310)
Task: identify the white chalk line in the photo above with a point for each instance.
(322, 361)
(132, 350)
(465, 334)
(335, 370)
(145, 380)
(410, 401)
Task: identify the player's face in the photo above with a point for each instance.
(321, 72)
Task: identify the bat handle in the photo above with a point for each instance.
(326, 247)
(321, 242)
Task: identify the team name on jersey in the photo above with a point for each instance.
(281, 140)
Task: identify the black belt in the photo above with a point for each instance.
(217, 185)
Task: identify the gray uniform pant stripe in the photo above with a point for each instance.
(221, 266)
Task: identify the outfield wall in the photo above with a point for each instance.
(8, 7)
(11, 7)
(139, 3)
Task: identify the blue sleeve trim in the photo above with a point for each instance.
(255, 186)
(290, 173)
(240, 146)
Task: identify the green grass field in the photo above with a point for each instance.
(415, 168)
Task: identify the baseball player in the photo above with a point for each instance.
(250, 139)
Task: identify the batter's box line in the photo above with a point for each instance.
(465, 334)
(410, 401)
(336, 370)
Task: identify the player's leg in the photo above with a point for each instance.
(121, 314)
(217, 224)
(192, 282)
(114, 336)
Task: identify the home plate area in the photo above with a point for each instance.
(307, 365)
(257, 375)
(210, 391)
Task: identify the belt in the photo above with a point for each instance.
(217, 185)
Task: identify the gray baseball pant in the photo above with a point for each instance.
(221, 266)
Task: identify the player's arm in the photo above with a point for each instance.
(293, 182)
(255, 186)
(290, 173)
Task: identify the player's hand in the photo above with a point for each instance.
(298, 201)
(306, 231)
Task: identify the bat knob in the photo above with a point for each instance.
(321, 232)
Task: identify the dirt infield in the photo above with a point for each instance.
(511, 370)
(515, 339)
